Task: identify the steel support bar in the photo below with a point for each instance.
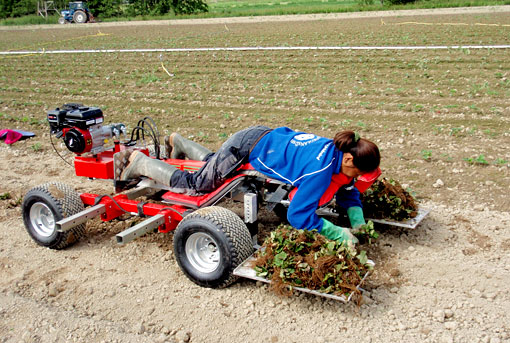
(140, 229)
(115, 206)
(80, 218)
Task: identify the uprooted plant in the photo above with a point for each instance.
(301, 258)
(366, 232)
(386, 199)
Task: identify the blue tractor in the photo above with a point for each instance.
(78, 12)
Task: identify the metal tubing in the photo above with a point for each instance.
(140, 229)
(80, 218)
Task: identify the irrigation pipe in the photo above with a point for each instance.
(257, 48)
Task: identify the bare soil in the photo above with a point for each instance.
(445, 281)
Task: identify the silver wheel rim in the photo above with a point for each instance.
(202, 252)
(42, 219)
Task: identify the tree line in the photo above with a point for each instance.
(109, 8)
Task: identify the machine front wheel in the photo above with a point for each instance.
(209, 244)
(45, 205)
(61, 20)
(79, 17)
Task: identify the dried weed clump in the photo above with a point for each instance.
(301, 258)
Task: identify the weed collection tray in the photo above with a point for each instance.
(411, 223)
(246, 271)
(408, 223)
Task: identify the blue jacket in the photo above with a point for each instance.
(307, 162)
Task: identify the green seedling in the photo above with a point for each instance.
(480, 160)
(501, 162)
(418, 108)
(36, 147)
(426, 155)
(490, 133)
(455, 131)
(151, 78)
(5, 196)
(438, 129)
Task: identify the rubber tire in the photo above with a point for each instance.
(231, 235)
(61, 20)
(80, 17)
(63, 201)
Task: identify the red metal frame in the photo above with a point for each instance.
(97, 166)
(101, 166)
(118, 205)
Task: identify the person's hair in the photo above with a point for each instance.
(366, 156)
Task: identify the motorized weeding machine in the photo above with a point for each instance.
(209, 241)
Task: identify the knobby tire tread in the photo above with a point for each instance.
(68, 205)
(237, 235)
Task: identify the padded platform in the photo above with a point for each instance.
(245, 171)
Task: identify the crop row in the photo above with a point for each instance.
(441, 30)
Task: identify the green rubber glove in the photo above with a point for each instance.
(355, 215)
(337, 233)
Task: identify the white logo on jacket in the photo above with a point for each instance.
(304, 136)
(322, 151)
(304, 139)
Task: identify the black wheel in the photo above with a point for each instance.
(80, 17)
(45, 205)
(209, 244)
(61, 20)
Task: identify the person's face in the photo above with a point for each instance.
(348, 168)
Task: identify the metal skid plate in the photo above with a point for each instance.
(246, 271)
(408, 223)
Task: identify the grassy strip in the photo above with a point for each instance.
(265, 7)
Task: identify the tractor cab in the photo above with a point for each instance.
(78, 5)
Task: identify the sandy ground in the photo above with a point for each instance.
(445, 281)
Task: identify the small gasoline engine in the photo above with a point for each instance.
(81, 128)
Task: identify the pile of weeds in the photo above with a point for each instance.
(386, 199)
(301, 258)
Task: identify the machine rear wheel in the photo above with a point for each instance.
(209, 244)
(79, 17)
(45, 205)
